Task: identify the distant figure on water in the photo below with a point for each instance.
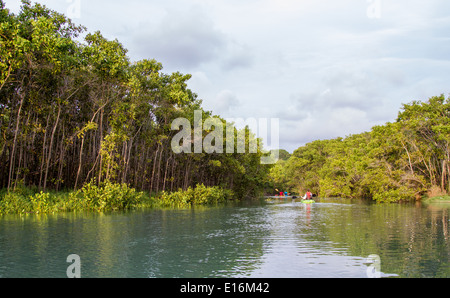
(308, 196)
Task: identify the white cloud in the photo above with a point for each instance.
(322, 66)
(183, 38)
(225, 102)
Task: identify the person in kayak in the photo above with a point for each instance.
(308, 196)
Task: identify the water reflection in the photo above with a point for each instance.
(331, 238)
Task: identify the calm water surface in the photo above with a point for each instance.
(285, 238)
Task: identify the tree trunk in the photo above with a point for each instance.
(101, 141)
(44, 153)
(51, 146)
(127, 159)
(443, 174)
(165, 173)
(159, 169)
(18, 167)
(80, 162)
(61, 161)
(409, 158)
(172, 175)
(186, 176)
(154, 168)
(13, 151)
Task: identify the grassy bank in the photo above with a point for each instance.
(105, 197)
(438, 199)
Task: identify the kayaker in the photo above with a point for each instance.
(308, 195)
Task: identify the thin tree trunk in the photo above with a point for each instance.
(61, 161)
(165, 174)
(127, 158)
(18, 167)
(443, 174)
(101, 141)
(124, 160)
(186, 176)
(172, 175)
(13, 151)
(154, 167)
(51, 146)
(159, 169)
(22, 158)
(80, 162)
(409, 158)
(44, 153)
(81, 150)
(143, 165)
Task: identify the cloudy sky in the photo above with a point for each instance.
(325, 68)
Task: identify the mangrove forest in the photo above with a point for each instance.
(78, 118)
(74, 110)
(400, 161)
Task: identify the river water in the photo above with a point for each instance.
(271, 239)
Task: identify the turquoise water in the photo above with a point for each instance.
(281, 238)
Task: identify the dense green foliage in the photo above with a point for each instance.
(393, 162)
(73, 110)
(200, 195)
(106, 197)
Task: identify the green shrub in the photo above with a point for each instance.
(42, 203)
(109, 196)
(106, 197)
(201, 195)
(394, 195)
(13, 203)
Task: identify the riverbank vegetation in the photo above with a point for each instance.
(400, 161)
(106, 197)
(75, 112)
(77, 117)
